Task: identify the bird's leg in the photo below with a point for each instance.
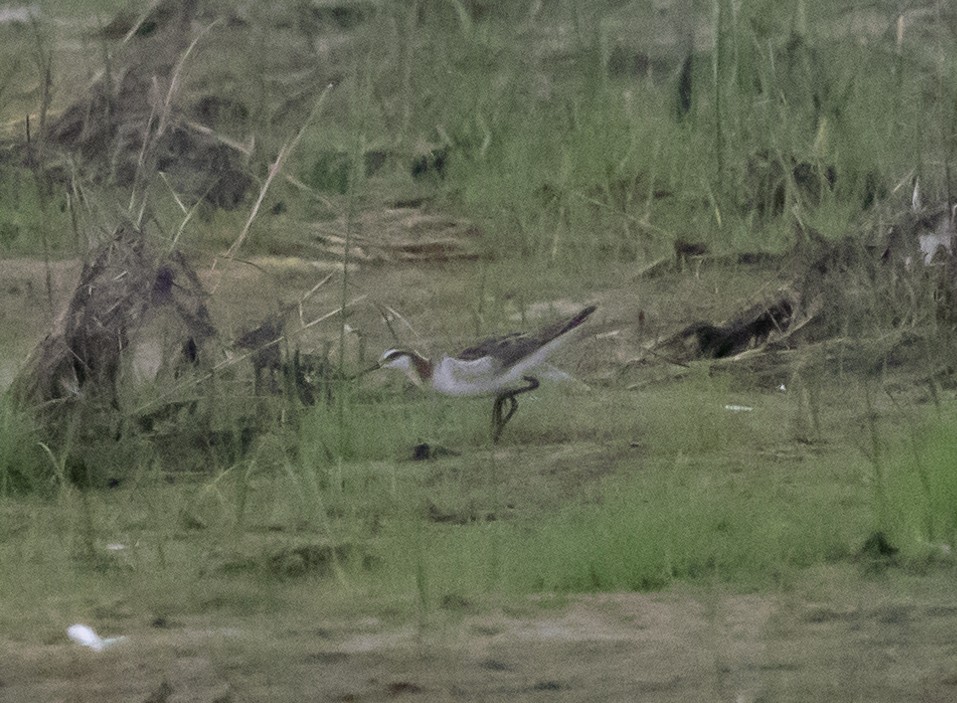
(512, 407)
(498, 421)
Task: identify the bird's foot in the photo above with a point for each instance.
(498, 420)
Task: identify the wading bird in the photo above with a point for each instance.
(497, 366)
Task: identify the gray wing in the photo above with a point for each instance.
(511, 348)
(504, 350)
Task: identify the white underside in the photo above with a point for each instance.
(485, 376)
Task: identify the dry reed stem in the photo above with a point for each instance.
(310, 293)
(245, 149)
(140, 20)
(141, 160)
(179, 202)
(182, 225)
(274, 170)
(162, 120)
(177, 72)
(387, 313)
(296, 183)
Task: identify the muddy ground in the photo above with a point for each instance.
(840, 636)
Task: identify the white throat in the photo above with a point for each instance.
(404, 364)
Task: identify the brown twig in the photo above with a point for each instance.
(274, 170)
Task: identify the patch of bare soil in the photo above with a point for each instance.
(864, 643)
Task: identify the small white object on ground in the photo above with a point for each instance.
(19, 15)
(739, 408)
(86, 636)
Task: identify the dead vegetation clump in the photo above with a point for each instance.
(135, 357)
(126, 124)
(136, 324)
(875, 297)
(122, 293)
(399, 235)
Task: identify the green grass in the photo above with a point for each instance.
(915, 489)
(561, 159)
(24, 468)
(686, 524)
(649, 489)
(571, 170)
(709, 504)
(29, 217)
(576, 176)
(728, 502)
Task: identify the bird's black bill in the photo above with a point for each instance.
(357, 374)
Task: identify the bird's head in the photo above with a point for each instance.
(411, 363)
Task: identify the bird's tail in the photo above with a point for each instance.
(565, 326)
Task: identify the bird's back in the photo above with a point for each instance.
(497, 363)
(507, 350)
